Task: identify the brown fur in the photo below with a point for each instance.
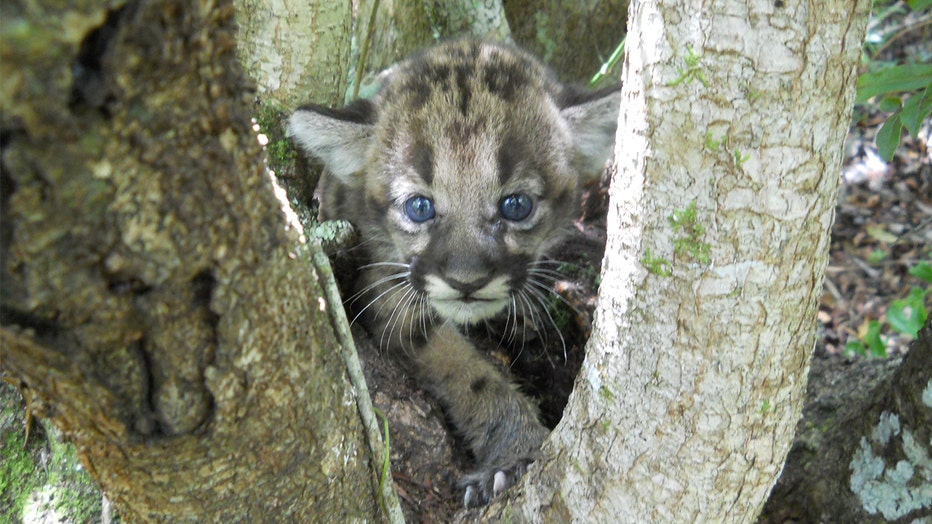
(471, 132)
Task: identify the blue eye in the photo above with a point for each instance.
(516, 207)
(419, 209)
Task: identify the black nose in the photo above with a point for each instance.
(470, 287)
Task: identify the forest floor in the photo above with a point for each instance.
(883, 228)
(883, 221)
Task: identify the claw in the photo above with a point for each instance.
(499, 483)
(469, 499)
(484, 485)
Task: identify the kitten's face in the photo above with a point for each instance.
(466, 171)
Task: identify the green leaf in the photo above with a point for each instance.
(917, 5)
(896, 79)
(890, 104)
(856, 347)
(909, 314)
(876, 256)
(888, 138)
(917, 109)
(874, 342)
(922, 270)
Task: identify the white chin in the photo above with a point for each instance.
(461, 312)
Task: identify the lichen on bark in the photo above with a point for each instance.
(152, 295)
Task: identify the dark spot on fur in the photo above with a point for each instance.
(417, 97)
(422, 160)
(377, 206)
(422, 79)
(463, 72)
(515, 266)
(510, 153)
(479, 384)
(359, 111)
(504, 80)
(460, 131)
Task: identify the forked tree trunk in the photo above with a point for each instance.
(154, 301)
(728, 154)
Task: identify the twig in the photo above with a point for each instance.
(354, 369)
(364, 54)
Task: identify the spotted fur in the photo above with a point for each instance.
(461, 174)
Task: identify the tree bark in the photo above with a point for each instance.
(154, 297)
(295, 51)
(863, 445)
(731, 133)
(399, 27)
(573, 38)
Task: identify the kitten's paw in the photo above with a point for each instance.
(484, 485)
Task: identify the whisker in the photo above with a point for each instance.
(540, 298)
(555, 263)
(404, 315)
(536, 321)
(417, 309)
(396, 315)
(511, 312)
(550, 291)
(514, 325)
(554, 276)
(355, 296)
(425, 314)
(385, 264)
(379, 297)
(530, 312)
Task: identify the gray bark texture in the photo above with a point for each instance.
(154, 298)
(295, 51)
(728, 149)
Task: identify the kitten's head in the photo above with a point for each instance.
(465, 168)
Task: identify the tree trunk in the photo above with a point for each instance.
(731, 135)
(863, 446)
(154, 298)
(295, 50)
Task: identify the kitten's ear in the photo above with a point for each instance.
(339, 138)
(593, 119)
